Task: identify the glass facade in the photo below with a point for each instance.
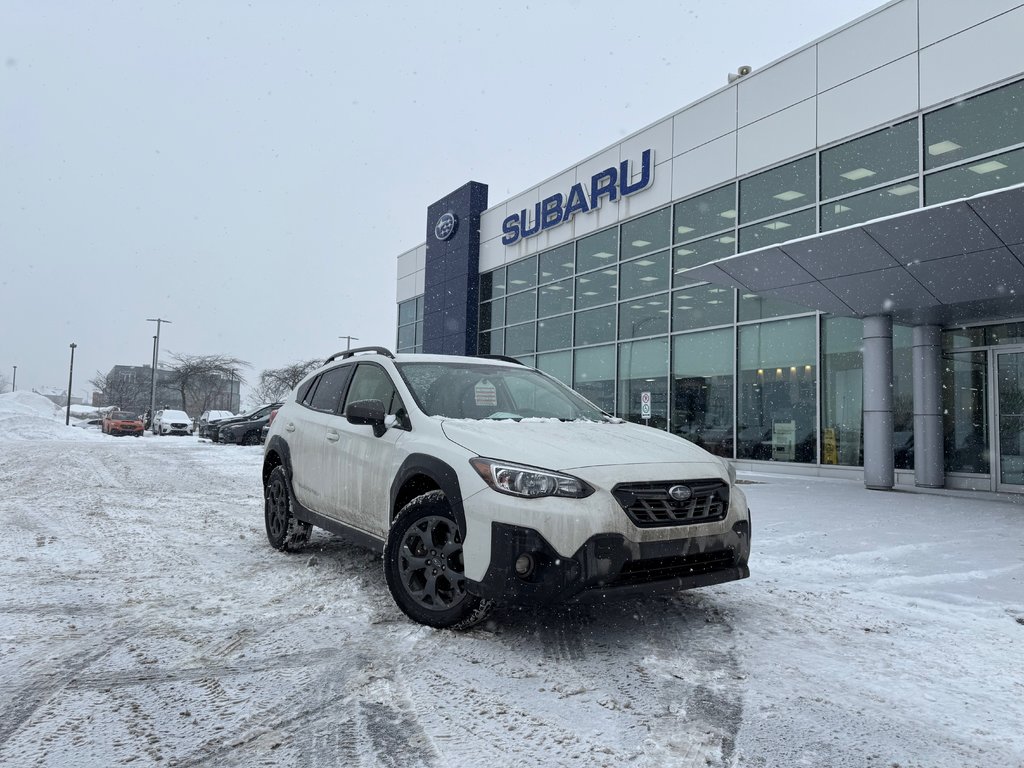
(747, 376)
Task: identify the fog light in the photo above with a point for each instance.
(524, 565)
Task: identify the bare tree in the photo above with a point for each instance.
(275, 383)
(124, 391)
(203, 379)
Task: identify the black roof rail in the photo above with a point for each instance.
(503, 358)
(357, 350)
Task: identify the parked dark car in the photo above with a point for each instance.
(209, 422)
(247, 428)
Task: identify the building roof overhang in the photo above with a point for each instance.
(949, 264)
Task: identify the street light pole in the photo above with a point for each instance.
(156, 359)
(14, 384)
(71, 376)
(348, 341)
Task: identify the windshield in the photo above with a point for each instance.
(122, 416)
(480, 391)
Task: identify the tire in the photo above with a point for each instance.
(424, 569)
(251, 437)
(284, 531)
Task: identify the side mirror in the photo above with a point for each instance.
(367, 412)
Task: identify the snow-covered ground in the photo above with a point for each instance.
(145, 620)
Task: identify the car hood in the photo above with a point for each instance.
(565, 446)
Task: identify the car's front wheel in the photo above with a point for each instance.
(252, 437)
(284, 530)
(424, 569)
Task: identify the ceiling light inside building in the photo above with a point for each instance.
(730, 214)
(989, 167)
(840, 208)
(602, 255)
(682, 229)
(904, 189)
(789, 194)
(942, 147)
(645, 262)
(684, 251)
(777, 225)
(641, 243)
(857, 174)
(727, 239)
(647, 279)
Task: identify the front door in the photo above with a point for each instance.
(1009, 401)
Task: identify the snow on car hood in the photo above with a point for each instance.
(558, 445)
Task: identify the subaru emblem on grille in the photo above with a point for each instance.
(680, 492)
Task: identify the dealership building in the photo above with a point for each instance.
(817, 268)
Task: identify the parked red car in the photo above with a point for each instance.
(122, 423)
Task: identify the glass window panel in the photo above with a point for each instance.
(595, 288)
(492, 343)
(406, 337)
(555, 332)
(594, 375)
(644, 317)
(598, 250)
(777, 230)
(521, 340)
(521, 307)
(702, 389)
(965, 412)
(902, 397)
(407, 312)
(754, 307)
(492, 284)
(644, 275)
(419, 307)
(777, 405)
(870, 160)
(974, 178)
(557, 364)
(700, 306)
(643, 367)
(555, 298)
(963, 337)
(711, 212)
(974, 126)
(1004, 333)
(595, 326)
(522, 275)
(556, 264)
(492, 315)
(842, 391)
(529, 360)
(646, 234)
(700, 252)
(871, 205)
(778, 190)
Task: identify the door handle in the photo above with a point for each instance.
(333, 437)
(289, 427)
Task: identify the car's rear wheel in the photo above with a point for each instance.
(251, 437)
(284, 531)
(424, 569)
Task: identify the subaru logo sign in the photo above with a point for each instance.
(680, 492)
(445, 226)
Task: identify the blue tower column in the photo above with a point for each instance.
(879, 473)
(452, 277)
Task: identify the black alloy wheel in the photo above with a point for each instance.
(424, 568)
(284, 531)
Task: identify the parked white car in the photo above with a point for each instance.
(486, 481)
(171, 422)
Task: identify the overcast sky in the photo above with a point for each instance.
(251, 170)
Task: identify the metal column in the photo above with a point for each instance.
(878, 463)
(928, 450)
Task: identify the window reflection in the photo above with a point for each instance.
(975, 177)
(842, 391)
(870, 160)
(700, 306)
(778, 190)
(700, 252)
(711, 212)
(556, 264)
(777, 230)
(598, 250)
(644, 317)
(596, 288)
(648, 233)
(522, 275)
(702, 389)
(870, 205)
(643, 367)
(644, 275)
(594, 375)
(974, 126)
(965, 412)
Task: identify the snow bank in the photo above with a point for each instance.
(30, 416)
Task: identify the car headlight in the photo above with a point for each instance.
(528, 482)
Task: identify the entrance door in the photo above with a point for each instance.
(1009, 398)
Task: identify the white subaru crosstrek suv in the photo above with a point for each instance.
(483, 480)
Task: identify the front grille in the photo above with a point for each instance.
(649, 505)
(660, 568)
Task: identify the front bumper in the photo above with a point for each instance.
(609, 566)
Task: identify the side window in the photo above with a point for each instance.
(371, 382)
(306, 390)
(328, 393)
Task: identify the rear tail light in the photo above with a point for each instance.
(273, 414)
